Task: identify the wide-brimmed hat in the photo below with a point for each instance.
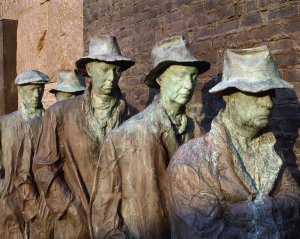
(31, 77)
(69, 81)
(172, 51)
(251, 70)
(106, 49)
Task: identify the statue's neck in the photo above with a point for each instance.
(31, 112)
(243, 133)
(176, 114)
(173, 109)
(100, 101)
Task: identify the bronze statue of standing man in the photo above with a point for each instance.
(20, 205)
(128, 196)
(230, 183)
(72, 135)
(69, 85)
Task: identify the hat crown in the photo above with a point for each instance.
(104, 45)
(69, 77)
(31, 77)
(252, 63)
(250, 70)
(171, 49)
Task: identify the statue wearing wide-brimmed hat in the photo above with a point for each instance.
(128, 200)
(20, 201)
(69, 85)
(72, 135)
(230, 183)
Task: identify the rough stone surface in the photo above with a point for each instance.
(50, 35)
(8, 52)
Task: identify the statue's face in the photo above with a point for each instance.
(105, 77)
(251, 110)
(63, 96)
(177, 83)
(31, 95)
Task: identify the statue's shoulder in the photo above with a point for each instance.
(65, 106)
(146, 121)
(198, 152)
(11, 118)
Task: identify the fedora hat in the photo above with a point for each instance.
(105, 49)
(31, 77)
(251, 70)
(69, 81)
(172, 51)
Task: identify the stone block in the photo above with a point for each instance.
(283, 13)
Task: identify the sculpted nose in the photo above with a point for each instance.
(268, 101)
(110, 75)
(35, 93)
(188, 83)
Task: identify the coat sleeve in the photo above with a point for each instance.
(105, 221)
(194, 208)
(47, 166)
(24, 181)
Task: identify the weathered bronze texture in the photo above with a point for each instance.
(70, 142)
(104, 49)
(23, 212)
(128, 194)
(69, 85)
(230, 183)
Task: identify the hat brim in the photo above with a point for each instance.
(255, 87)
(66, 89)
(123, 62)
(32, 82)
(150, 79)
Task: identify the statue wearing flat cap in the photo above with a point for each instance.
(128, 195)
(20, 206)
(69, 85)
(230, 183)
(72, 134)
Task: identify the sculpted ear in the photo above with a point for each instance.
(20, 90)
(159, 80)
(88, 68)
(226, 98)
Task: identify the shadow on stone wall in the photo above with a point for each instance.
(211, 103)
(284, 123)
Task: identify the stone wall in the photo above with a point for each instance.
(210, 26)
(8, 62)
(50, 35)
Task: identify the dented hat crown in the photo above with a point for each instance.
(250, 70)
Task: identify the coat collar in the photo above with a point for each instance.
(268, 160)
(170, 138)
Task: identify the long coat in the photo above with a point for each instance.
(212, 196)
(65, 162)
(19, 197)
(128, 196)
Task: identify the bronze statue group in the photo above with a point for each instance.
(85, 169)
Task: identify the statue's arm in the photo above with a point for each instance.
(24, 181)
(105, 221)
(47, 165)
(194, 208)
